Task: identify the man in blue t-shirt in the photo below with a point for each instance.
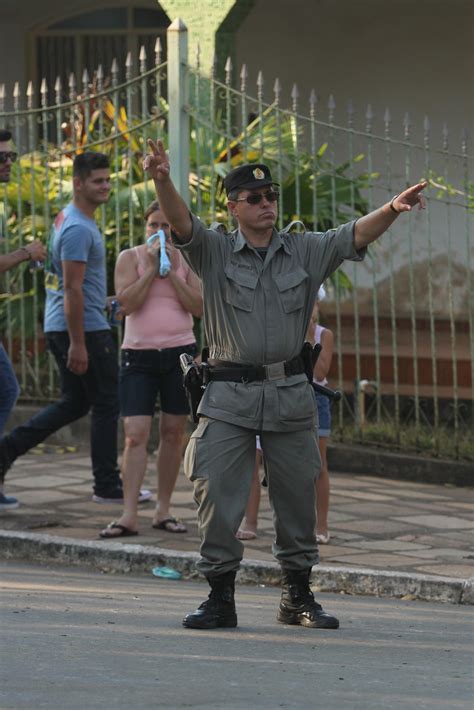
(78, 334)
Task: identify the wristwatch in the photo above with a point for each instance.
(391, 204)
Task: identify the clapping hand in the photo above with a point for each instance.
(156, 163)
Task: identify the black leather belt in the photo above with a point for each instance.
(235, 372)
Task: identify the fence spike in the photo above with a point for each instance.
(350, 112)
(426, 132)
(369, 115)
(16, 96)
(85, 81)
(2, 96)
(243, 78)
(464, 141)
(58, 89)
(16, 90)
(198, 56)
(277, 87)
(100, 78)
(260, 80)
(142, 59)
(158, 51)
(29, 94)
(228, 71)
(331, 107)
(445, 136)
(313, 98)
(128, 66)
(72, 86)
(406, 125)
(387, 119)
(295, 94)
(44, 93)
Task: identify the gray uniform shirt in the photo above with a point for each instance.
(257, 312)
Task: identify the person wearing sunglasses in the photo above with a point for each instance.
(259, 287)
(32, 251)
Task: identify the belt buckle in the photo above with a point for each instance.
(275, 371)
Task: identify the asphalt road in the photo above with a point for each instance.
(79, 639)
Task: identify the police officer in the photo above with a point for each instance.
(259, 288)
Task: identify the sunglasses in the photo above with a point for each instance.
(256, 197)
(5, 155)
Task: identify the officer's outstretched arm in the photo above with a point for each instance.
(374, 224)
(157, 166)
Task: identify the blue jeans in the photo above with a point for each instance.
(9, 388)
(96, 390)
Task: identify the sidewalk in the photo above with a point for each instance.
(385, 525)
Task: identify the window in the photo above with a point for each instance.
(86, 40)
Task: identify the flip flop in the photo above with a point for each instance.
(124, 531)
(167, 524)
(245, 534)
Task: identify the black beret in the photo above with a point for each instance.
(248, 177)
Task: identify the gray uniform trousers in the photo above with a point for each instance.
(220, 460)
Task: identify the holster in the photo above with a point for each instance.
(309, 355)
(194, 380)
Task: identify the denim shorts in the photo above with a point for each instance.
(147, 374)
(324, 415)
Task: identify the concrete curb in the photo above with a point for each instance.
(118, 557)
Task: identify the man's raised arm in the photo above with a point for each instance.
(374, 224)
(157, 166)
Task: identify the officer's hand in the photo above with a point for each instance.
(156, 163)
(36, 250)
(77, 359)
(409, 198)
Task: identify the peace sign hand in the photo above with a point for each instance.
(156, 163)
(409, 198)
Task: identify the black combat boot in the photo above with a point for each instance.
(219, 608)
(297, 604)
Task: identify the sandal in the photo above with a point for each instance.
(172, 525)
(123, 531)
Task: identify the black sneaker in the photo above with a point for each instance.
(116, 496)
(8, 502)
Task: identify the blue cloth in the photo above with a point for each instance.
(9, 388)
(324, 415)
(76, 237)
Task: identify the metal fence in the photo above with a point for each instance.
(403, 321)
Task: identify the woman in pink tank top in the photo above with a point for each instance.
(158, 328)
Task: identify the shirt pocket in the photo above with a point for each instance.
(292, 289)
(240, 286)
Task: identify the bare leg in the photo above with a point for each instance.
(248, 526)
(322, 492)
(170, 451)
(134, 461)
